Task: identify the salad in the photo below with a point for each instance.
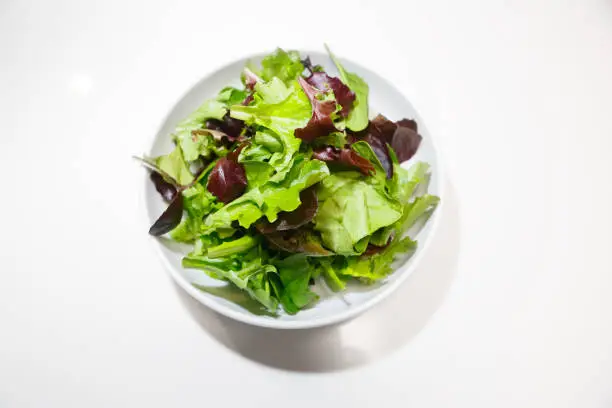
(286, 183)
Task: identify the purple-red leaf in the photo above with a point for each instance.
(294, 219)
(321, 123)
(402, 136)
(167, 190)
(405, 143)
(227, 181)
(347, 157)
(169, 218)
(378, 145)
(344, 96)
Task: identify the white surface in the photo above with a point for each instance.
(331, 308)
(510, 308)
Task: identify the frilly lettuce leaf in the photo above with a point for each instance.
(248, 272)
(280, 109)
(284, 65)
(197, 202)
(193, 147)
(270, 198)
(378, 266)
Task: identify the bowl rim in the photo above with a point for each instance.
(386, 290)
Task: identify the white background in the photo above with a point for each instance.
(511, 306)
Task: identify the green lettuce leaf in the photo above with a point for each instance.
(257, 172)
(328, 267)
(270, 198)
(358, 117)
(352, 209)
(281, 117)
(231, 96)
(284, 65)
(232, 247)
(194, 147)
(248, 272)
(197, 202)
(378, 266)
(295, 273)
(175, 166)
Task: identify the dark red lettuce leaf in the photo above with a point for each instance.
(321, 123)
(169, 218)
(347, 157)
(227, 181)
(405, 143)
(301, 240)
(402, 136)
(344, 96)
(409, 123)
(378, 145)
(167, 190)
(294, 219)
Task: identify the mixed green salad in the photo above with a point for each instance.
(286, 181)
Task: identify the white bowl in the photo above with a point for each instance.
(332, 307)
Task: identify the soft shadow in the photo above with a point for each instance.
(375, 334)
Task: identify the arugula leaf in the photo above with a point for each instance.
(358, 118)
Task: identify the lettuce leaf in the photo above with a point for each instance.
(270, 198)
(175, 166)
(197, 203)
(280, 117)
(281, 64)
(378, 266)
(352, 209)
(358, 118)
(248, 272)
(194, 147)
(295, 272)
